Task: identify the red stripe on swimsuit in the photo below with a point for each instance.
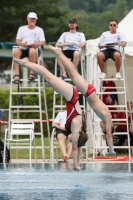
(71, 110)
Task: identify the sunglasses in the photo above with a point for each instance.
(113, 24)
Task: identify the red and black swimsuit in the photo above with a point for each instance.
(71, 110)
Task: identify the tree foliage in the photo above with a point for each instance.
(92, 15)
(99, 13)
(14, 14)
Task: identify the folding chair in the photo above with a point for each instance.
(22, 129)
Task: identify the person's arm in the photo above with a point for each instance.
(123, 43)
(61, 116)
(123, 40)
(102, 44)
(57, 125)
(20, 43)
(59, 44)
(19, 37)
(101, 47)
(38, 44)
(83, 41)
(82, 44)
(62, 41)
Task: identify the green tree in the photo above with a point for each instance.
(129, 4)
(90, 5)
(14, 13)
(120, 9)
(78, 4)
(83, 22)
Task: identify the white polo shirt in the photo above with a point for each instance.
(61, 118)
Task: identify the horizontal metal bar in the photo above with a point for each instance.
(115, 133)
(21, 111)
(110, 92)
(120, 120)
(22, 93)
(27, 147)
(110, 79)
(115, 147)
(35, 80)
(113, 87)
(117, 106)
(25, 106)
(32, 87)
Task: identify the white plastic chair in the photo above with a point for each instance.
(19, 128)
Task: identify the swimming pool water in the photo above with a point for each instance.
(95, 181)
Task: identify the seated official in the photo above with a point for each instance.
(109, 45)
(29, 37)
(71, 43)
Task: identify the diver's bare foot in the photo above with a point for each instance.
(55, 50)
(23, 61)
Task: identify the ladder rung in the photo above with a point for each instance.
(110, 92)
(117, 110)
(33, 93)
(59, 94)
(35, 80)
(116, 147)
(25, 147)
(120, 133)
(34, 120)
(68, 79)
(30, 87)
(37, 133)
(110, 79)
(16, 111)
(64, 106)
(25, 106)
(117, 106)
(60, 106)
(113, 87)
(120, 120)
(115, 133)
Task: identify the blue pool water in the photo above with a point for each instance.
(95, 181)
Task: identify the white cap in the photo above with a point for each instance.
(32, 15)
